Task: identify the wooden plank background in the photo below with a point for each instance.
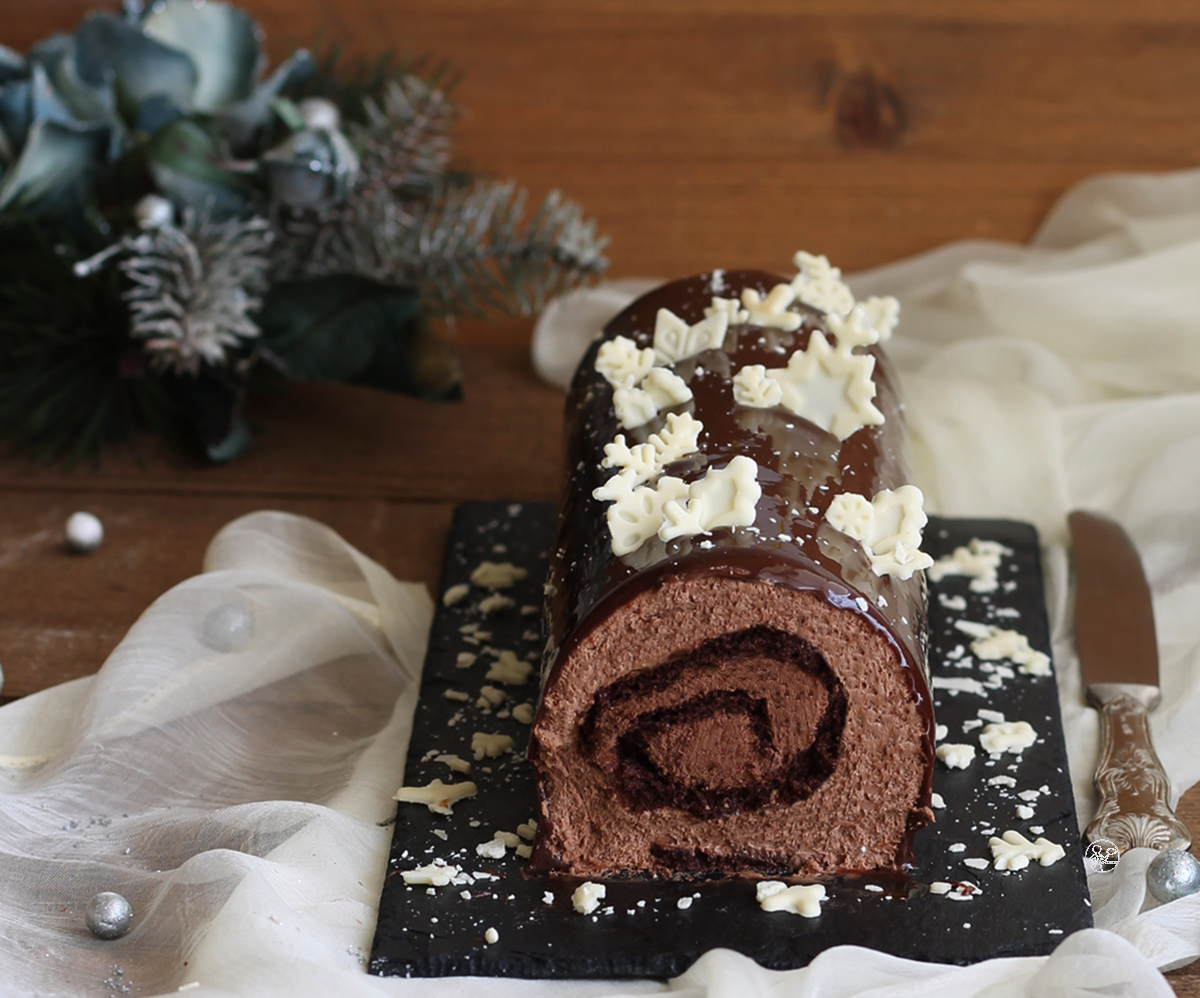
(698, 134)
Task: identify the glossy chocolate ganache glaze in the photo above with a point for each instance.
(750, 693)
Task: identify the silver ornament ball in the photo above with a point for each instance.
(154, 212)
(108, 915)
(1173, 874)
(83, 533)
(228, 627)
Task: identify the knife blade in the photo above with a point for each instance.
(1118, 655)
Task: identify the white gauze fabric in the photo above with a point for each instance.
(230, 768)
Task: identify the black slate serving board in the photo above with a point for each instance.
(640, 929)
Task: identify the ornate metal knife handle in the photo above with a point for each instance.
(1134, 790)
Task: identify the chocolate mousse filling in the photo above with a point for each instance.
(676, 735)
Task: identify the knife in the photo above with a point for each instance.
(1118, 654)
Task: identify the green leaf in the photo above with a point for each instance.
(108, 47)
(52, 168)
(187, 166)
(343, 327)
(244, 121)
(219, 39)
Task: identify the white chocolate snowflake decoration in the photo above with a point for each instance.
(882, 314)
(636, 514)
(634, 407)
(676, 440)
(753, 388)
(829, 388)
(731, 307)
(1012, 851)
(724, 497)
(772, 312)
(852, 330)
(890, 532)
(621, 363)
(820, 285)
(675, 340)
(666, 388)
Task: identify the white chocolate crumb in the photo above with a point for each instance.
(979, 560)
(529, 610)
(436, 874)
(1002, 781)
(586, 898)
(524, 850)
(874, 888)
(976, 863)
(441, 834)
(491, 936)
(494, 604)
(800, 899)
(456, 764)
(957, 847)
(1012, 851)
(956, 756)
(492, 746)
(1024, 812)
(1011, 736)
(490, 696)
(958, 684)
(940, 887)
(510, 839)
(455, 594)
(509, 670)
(940, 732)
(683, 903)
(548, 897)
(992, 643)
(527, 829)
(523, 712)
(438, 796)
(458, 695)
(936, 800)
(465, 660)
(497, 575)
(492, 849)
(991, 716)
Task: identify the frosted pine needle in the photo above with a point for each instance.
(194, 288)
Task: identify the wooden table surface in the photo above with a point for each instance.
(698, 133)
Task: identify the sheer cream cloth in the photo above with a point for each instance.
(232, 782)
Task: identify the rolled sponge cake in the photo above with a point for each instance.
(735, 677)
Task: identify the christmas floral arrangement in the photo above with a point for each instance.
(175, 224)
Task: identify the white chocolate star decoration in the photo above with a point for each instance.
(772, 311)
(622, 363)
(754, 389)
(675, 340)
(1012, 851)
(829, 388)
(646, 461)
(889, 528)
(820, 285)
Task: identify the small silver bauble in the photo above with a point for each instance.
(1173, 874)
(228, 627)
(154, 212)
(108, 915)
(83, 533)
(320, 113)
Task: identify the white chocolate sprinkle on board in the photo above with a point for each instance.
(455, 594)
(492, 746)
(956, 756)
(992, 643)
(439, 797)
(497, 575)
(436, 874)
(799, 899)
(1010, 736)
(509, 670)
(491, 936)
(586, 897)
(1012, 851)
(979, 560)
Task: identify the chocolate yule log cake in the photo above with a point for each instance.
(735, 673)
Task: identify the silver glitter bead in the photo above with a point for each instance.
(228, 627)
(1173, 874)
(83, 533)
(108, 915)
